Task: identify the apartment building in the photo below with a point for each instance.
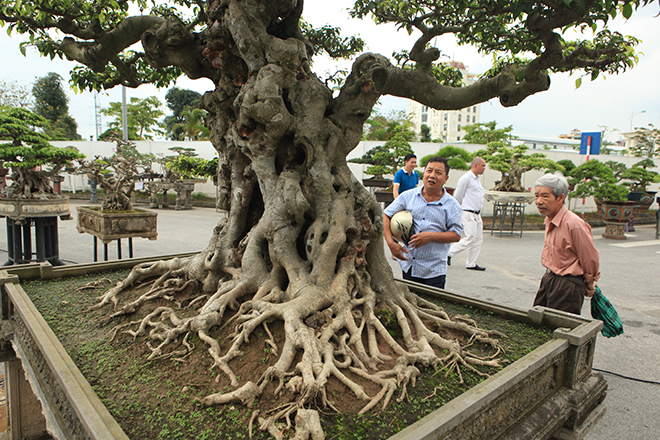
(446, 125)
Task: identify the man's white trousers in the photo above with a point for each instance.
(473, 228)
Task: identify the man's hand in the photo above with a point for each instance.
(420, 239)
(397, 250)
(590, 288)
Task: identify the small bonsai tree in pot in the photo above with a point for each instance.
(117, 218)
(638, 178)
(384, 160)
(117, 175)
(33, 161)
(31, 199)
(594, 178)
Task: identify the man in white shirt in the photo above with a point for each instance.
(470, 194)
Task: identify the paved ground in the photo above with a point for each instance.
(629, 279)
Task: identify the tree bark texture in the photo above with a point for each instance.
(302, 239)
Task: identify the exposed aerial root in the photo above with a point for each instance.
(337, 330)
(139, 273)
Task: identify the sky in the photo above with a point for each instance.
(612, 103)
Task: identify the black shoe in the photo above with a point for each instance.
(448, 260)
(476, 267)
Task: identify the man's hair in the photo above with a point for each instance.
(476, 160)
(409, 156)
(441, 160)
(556, 182)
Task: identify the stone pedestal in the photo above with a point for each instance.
(22, 215)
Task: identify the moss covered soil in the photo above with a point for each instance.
(158, 399)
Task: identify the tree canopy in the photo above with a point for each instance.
(142, 117)
(486, 132)
(179, 100)
(51, 102)
(300, 249)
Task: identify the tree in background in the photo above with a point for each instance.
(178, 100)
(13, 94)
(425, 133)
(300, 248)
(512, 162)
(382, 128)
(486, 132)
(188, 165)
(142, 117)
(457, 157)
(51, 103)
(29, 155)
(646, 143)
(192, 126)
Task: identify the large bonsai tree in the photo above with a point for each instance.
(31, 158)
(301, 248)
(512, 162)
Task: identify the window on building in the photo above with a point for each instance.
(474, 119)
(474, 109)
(445, 116)
(425, 109)
(458, 138)
(425, 117)
(459, 117)
(459, 127)
(445, 127)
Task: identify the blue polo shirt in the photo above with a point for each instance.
(406, 181)
(430, 260)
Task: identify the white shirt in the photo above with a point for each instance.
(469, 192)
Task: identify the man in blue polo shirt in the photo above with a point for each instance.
(437, 224)
(406, 178)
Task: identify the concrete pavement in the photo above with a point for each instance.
(629, 271)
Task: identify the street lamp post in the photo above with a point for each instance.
(632, 116)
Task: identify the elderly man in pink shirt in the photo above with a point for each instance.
(569, 255)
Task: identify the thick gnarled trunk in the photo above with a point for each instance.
(302, 240)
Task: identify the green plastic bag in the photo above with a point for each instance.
(602, 309)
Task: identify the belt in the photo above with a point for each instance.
(473, 212)
(579, 280)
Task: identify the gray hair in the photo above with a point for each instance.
(556, 182)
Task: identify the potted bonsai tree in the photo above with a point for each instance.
(33, 163)
(597, 179)
(182, 172)
(638, 178)
(117, 218)
(384, 160)
(512, 162)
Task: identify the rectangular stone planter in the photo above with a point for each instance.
(550, 393)
(19, 209)
(109, 226)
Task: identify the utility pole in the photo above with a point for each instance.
(97, 115)
(124, 118)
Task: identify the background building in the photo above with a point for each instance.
(446, 125)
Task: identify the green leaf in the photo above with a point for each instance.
(578, 83)
(627, 10)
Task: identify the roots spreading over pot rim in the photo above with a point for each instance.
(330, 330)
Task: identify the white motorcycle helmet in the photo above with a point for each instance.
(402, 225)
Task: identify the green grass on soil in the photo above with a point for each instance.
(156, 399)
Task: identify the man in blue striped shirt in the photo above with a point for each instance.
(437, 223)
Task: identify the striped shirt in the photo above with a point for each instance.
(430, 260)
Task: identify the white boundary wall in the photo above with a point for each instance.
(205, 150)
